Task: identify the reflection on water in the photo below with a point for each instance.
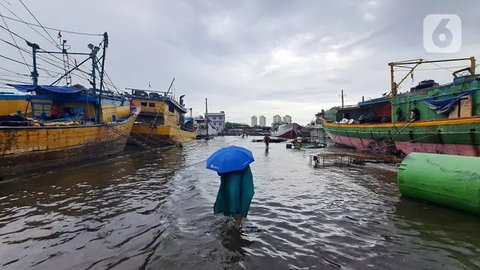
(154, 211)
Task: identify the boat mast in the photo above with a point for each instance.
(393, 85)
(34, 73)
(66, 61)
(416, 62)
(170, 87)
(343, 103)
(105, 45)
(93, 56)
(206, 116)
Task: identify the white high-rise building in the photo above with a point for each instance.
(287, 119)
(277, 119)
(254, 121)
(263, 120)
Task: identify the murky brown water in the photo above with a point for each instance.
(154, 211)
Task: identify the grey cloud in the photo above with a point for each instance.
(254, 57)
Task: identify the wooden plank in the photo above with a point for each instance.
(466, 106)
(455, 113)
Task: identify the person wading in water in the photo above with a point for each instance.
(266, 139)
(236, 181)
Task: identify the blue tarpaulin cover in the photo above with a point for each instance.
(444, 106)
(55, 89)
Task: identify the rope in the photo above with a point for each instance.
(20, 19)
(14, 41)
(83, 73)
(19, 75)
(14, 81)
(139, 142)
(51, 28)
(28, 52)
(40, 57)
(436, 134)
(13, 60)
(54, 41)
(13, 72)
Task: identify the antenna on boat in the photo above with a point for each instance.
(170, 87)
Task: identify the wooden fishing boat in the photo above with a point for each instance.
(52, 125)
(61, 128)
(162, 119)
(429, 118)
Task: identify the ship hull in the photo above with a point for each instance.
(160, 135)
(288, 131)
(25, 149)
(459, 136)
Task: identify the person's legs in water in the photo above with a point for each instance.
(238, 222)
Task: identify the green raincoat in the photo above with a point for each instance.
(235, 193)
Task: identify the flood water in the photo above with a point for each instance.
(155, 211)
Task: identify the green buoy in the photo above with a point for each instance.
(448, 180)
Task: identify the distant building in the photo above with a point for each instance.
(277, 119)
(202, 127)
(217, 120)
(254, 121)
(262, 120)
(287, 119)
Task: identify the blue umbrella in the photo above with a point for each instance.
(229, 159)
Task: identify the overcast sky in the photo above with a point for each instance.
(250, 57)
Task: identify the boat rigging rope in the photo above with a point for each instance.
(54, 41)
(15, 41)
(49, 28)
(13, 60)
(51, 39)
(40, 57)
(148, 140)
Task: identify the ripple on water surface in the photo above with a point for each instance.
(154, 211)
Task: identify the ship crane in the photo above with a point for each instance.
(413, 64)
